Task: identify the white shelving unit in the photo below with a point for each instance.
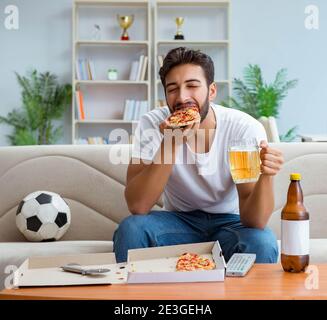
(206, 27)
(104, 100)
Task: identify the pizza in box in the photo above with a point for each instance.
(193, 262)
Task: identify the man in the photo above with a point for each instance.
(200, 205)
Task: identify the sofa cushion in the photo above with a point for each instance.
(85, 176)
(310, 160)
(14, 253)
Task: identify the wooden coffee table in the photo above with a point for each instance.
(264, 281)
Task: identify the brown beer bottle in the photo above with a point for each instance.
(295, 229)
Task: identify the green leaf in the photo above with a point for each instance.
(23, 137)
(267, 102)
(15, 118)
(257, 98)
(246, 100)
(290, 135)
(43, 100)
(280, 79)
(253, 78)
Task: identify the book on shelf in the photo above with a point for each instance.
(96, 140)
(135, 109)
(100, 140)
(91, 140)
(78, 70)
(133, 72)
(128, 110)
(79, 99)
(139, 69)
(88, 70)
(92, 69)
(144, 67)
(85, 69)
(81, 141)
(144, 108)
(78, 115)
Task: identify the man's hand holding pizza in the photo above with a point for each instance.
(184, 122)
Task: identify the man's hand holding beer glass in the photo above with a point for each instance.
(247, 162)
(252, 168)
(271, 159)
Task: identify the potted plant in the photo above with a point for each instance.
(43, 101)
(259, 99)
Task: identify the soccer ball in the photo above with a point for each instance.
(43, 216)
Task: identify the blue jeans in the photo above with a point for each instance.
(164, 228)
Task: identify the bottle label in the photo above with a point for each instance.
(295, 237)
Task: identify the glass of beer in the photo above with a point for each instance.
(244, 160)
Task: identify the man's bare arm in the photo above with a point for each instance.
(146, 182)
(256, 200)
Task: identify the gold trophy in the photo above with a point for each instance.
(179, 35)
(125, 22)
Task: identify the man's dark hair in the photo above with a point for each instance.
(182, 55)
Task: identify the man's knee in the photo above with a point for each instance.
(261, 242)
(132, 226)
(133, 232)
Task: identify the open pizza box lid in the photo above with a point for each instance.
(149, 265)
(47, 271)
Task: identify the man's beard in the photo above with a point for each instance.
(204, 109)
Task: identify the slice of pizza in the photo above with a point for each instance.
(192, 262)
(184, 117)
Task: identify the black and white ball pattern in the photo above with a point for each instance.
(43, 216)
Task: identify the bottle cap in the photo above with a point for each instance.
(295, 176)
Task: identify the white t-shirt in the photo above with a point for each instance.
(206, 183)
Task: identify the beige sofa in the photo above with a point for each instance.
(92, 183)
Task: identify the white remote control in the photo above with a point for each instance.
(239, 264)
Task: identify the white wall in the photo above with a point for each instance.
(273, 35)
(269, 33)
(43, 41)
